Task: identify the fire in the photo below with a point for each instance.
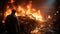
(12, 1)
(8, 11)
(29, 11)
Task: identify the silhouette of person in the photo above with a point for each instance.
(11, 23)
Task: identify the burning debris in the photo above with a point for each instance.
(33, 13)
(30, 19)
(29, 11)
(26, 24)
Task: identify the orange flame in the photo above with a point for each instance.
(29, 11)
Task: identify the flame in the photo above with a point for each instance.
(8, 11)
(29, 11)
(12, 1)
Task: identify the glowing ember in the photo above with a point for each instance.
(55, 14)
(35, 30)
(57, 11)
(49, 17)
(3, 21)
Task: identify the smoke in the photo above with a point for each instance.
(50, 2)
(48, 7)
